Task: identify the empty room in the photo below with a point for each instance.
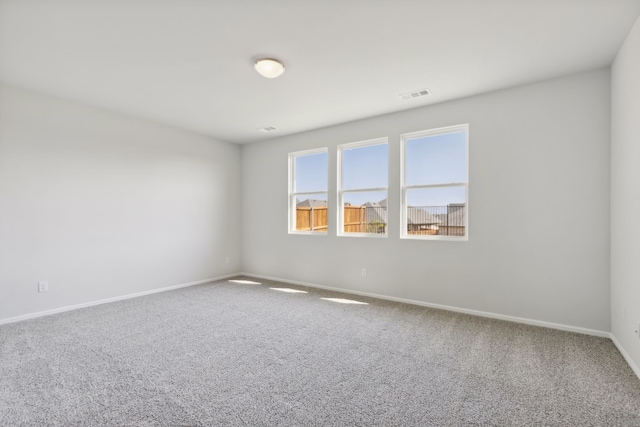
(331, 213)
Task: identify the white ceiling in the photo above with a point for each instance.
(189, 63)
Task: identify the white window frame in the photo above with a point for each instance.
(404, 188)
(342, 191)
(293, 194)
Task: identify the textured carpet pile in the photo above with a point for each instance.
(227, 354)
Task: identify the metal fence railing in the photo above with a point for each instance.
(436, 220)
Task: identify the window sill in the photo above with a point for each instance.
(440, 238)
(309, 233)
(375, 236)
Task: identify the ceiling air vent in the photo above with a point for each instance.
(267, 129)
(416, 94)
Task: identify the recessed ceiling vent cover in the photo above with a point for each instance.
(267, 129)
(416, 94)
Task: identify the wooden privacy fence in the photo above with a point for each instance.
(311, 219)
(355, 220)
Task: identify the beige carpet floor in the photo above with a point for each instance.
(231, 354)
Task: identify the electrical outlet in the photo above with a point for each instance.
(364, 272)
(43, 286)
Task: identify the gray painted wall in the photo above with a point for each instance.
(539, 208)
(103, 205)
(625, 195)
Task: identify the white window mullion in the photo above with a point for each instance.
(364, 190)
(449, 184)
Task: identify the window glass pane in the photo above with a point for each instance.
(436, 211)
(365, 167)
(436, 159)
(311, 173)
(311, 213)
(365, 212)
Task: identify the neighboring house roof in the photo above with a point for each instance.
(455, 216)
(312, 203)
(420, 216)
(375, 212)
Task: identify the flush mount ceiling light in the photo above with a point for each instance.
(269, 68)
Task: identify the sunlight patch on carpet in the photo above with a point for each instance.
(292, 291)
(245, 282)
(345, 301)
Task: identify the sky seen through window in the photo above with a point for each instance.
(437, 159)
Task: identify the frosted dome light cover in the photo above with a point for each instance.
(269, 68)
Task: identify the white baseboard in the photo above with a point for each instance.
(523, 320)
(626, 356)
(108, 300)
